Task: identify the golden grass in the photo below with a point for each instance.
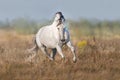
(98, 60)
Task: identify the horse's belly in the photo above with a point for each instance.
(49, 43)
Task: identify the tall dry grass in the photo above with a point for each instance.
(99, 59)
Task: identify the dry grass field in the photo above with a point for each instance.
(99, 59)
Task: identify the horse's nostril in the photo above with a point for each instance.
(63, 40)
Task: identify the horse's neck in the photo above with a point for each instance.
(55, 23)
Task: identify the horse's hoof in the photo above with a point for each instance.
(51, 59)
(74, 60)
(63, 59)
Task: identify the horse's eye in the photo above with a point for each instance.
(58, 28)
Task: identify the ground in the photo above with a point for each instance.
(99, 59)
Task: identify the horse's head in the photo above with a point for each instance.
(59, 23)
(59, 17)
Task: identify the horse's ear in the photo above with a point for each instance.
(59, 13)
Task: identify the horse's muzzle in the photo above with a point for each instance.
(63, 40)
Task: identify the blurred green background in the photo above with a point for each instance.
(78, 28)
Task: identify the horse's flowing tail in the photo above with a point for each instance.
(35, 47)
(34, 41)
(32, 51)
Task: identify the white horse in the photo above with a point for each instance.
(54, 37)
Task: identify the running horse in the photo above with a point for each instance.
(53, 36)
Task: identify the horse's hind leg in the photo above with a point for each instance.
(44, 50)
(53, 53)
(73, 50)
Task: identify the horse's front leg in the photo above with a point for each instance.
(73, 51)
(59, 50)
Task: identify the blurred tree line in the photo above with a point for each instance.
(97, 28)
(23, 25)
(82, 27)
